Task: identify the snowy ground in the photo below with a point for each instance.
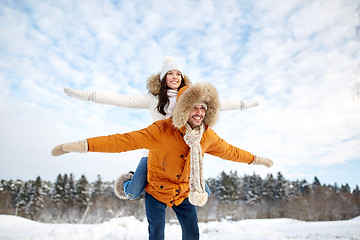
(129, 228)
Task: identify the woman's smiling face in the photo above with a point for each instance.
(173, 79)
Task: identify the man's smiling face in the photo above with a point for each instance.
(197, 115)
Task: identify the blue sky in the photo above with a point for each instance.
(299, 59)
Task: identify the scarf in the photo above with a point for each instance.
(172, 94)
(192, 137)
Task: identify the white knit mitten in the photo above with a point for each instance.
(82, 95)
(79, 146)
(263, 161)
(249, 104)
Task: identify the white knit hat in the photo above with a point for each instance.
(169, 65)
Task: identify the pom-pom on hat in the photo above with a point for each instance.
(168, 65)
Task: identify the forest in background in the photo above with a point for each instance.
(70, 200)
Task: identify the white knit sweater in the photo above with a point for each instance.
(149, 101)
(141, 101)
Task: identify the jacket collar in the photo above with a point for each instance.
(182, 130)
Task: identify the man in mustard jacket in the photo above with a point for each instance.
(176, 147)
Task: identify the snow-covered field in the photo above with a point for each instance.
(129, 228)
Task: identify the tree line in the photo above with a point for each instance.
(232, 197)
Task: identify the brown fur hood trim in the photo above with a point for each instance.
(189, 96)
(153, 83)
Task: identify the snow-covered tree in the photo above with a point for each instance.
(36, 199)
(57, 195)
(82, 192)
(345, 188)
(334, 187)
(22, 198)
(316, 182)
(281, 187)
(228, 187)
(3, 185)
(269, 188)
(294, 189)
(251, 188)
(356, 191)
(97, 187)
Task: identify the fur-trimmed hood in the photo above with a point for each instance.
(189, 96)
(154, 83)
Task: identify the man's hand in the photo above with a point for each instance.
(263, 161)
(82, 95)
(79, 146)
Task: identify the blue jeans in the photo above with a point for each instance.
(185, 213)
(134, 187)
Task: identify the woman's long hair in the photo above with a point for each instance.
(163, 97)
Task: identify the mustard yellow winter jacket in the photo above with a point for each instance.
(169, 161)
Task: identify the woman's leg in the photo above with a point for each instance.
(207, 189)
(155, 213)
(135, 186)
